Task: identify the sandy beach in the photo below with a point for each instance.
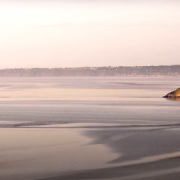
(134, 163)
(28, 153)
(64, 129)
(165, 169)
(75, 153)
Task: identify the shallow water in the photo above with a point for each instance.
(127, 101)
(126, 118)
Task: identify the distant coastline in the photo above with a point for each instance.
(134, 71)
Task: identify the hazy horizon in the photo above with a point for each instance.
(36, 67)
(51, 34)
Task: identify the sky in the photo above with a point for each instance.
(79, 33)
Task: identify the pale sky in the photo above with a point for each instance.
(72, 33)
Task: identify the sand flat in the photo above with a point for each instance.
(88, 128)
(32, 153)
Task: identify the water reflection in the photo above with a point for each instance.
(173, 99)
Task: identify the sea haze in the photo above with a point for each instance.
(112, 127)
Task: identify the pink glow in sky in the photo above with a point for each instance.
(89, 33)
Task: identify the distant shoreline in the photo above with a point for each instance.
(108, 71)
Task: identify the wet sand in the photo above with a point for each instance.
(135, 162)
(165, 169)
(30, 153)
(79, 153)
(89, 128)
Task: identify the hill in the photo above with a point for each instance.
(173, 70)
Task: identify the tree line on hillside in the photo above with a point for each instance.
(93, 71)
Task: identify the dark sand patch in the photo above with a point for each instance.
(143, 153)
(154, 170)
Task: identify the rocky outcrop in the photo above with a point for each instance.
(173, 94)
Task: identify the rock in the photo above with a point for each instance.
(173, 94)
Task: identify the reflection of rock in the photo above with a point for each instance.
(173, 99)
(173, 94)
